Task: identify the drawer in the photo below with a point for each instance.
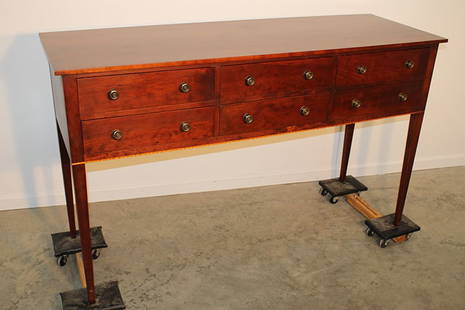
(391, 66)
(376, 102)
(275, 79)
(121, 136)
(275, 115)
(137, 93)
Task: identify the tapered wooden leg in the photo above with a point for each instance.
(68, 183)
(409, 157)
(348, 134)
(344, 185)
(80, 189)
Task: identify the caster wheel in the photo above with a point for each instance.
(333, 200)
(95, 253)
(62, 260)
(369, 232)
(383, 243)
(324, 192)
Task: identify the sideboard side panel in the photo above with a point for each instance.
(73, 118)
(429, 73)
(60, 109)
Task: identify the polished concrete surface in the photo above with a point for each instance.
(274, 247)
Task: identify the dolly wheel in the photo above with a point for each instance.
(369, 232)
(384, 243)
(95, 253)
(62, 260)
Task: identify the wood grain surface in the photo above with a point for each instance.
(145, 92)
(275, 115)
(382, 67)
(98, 50)
(376, 101)
(275, 79)
(147, 132)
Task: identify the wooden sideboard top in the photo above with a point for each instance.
(128, 48)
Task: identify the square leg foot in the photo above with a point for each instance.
(108, 298)
(384, 228)
(336, 188)
(63, 244)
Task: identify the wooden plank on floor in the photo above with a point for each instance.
(80, 267)
(362, 206)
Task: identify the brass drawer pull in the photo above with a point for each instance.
(117, 134)
(410, 64)
(304, 110)
(184, 87)
(356, 103)
(308, 75)
(247, 118)
(113, 94)
(403, 97)
(185, 127)
(249, 81)
(362, 69)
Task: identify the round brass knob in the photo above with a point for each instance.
(247, 118)
(113, 94)
(185, 127)
(356, 103)
(308, 75)
(403, 97)
(184, 87)
(249, 81)
(304, 110)
(410, 64)
(362, 69)
(117, 134)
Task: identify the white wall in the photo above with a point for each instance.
(30, 174)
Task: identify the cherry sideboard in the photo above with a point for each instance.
(127, 91)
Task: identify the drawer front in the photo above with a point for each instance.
(142, 92)
(361, 69)
(121, 136)
(275, 79)
(275, 115)
(376, 102)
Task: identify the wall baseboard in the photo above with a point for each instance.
(230, 183)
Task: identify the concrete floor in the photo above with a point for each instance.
(274, 247)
